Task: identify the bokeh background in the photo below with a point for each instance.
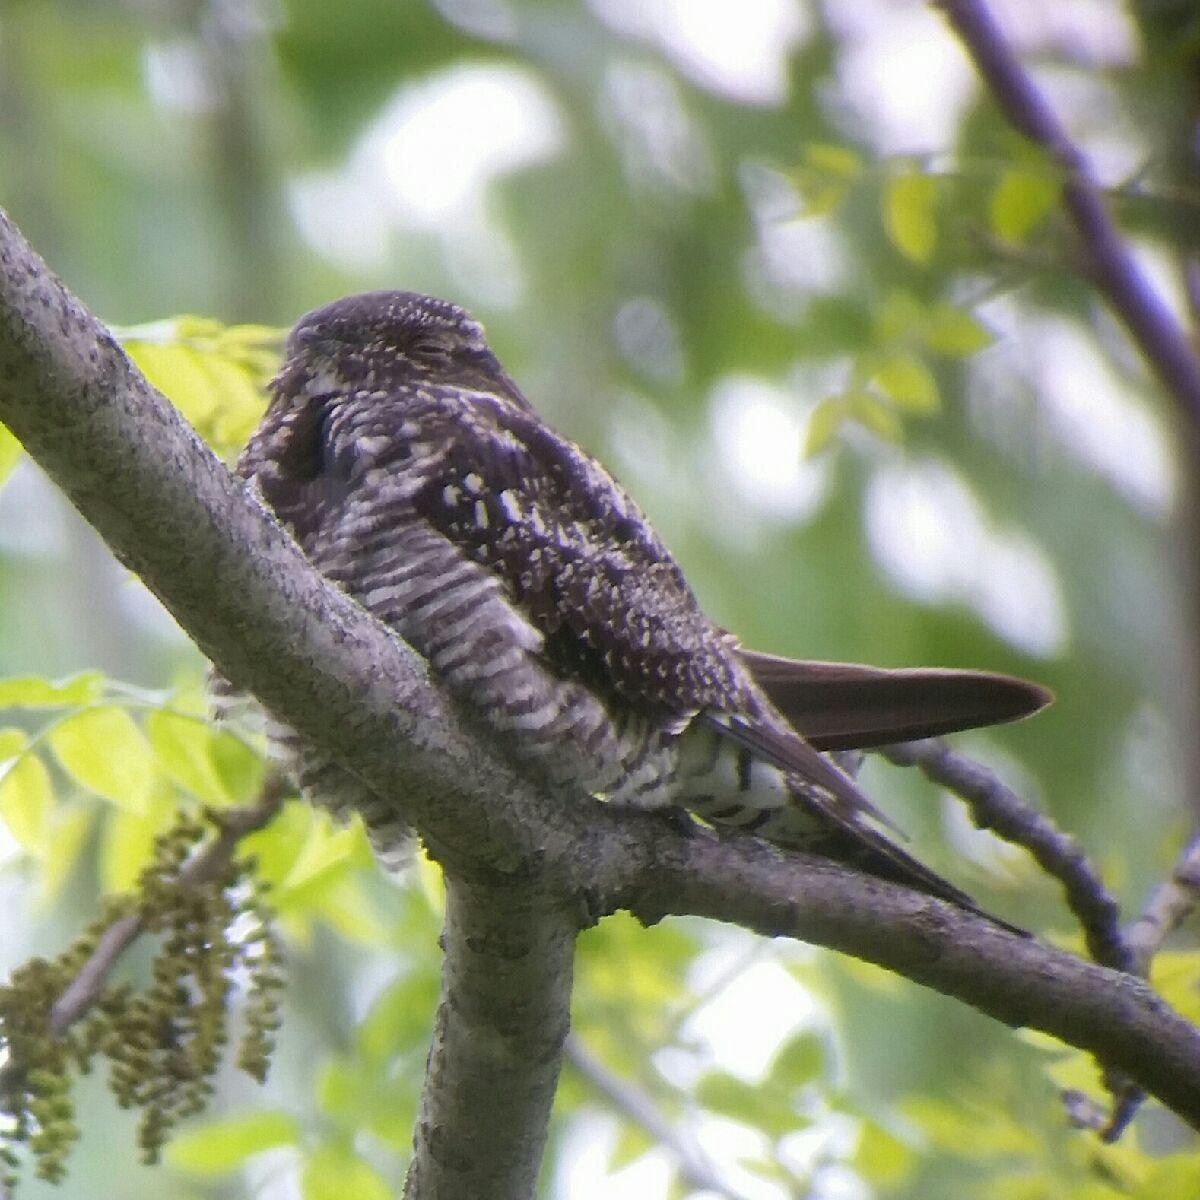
(702, 234)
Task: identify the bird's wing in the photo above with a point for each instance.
(838, 706)
(581, 562)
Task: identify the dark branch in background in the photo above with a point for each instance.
(209, 862)
(1113, 268)
(997, 807)
(1163, 340)
(275, 627)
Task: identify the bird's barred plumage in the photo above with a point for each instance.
(414, 473)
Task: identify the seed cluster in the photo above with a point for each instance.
(164, 1041)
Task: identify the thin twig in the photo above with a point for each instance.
(997, 807)
(694, 1165)
(1169, 905)
(1113, 268)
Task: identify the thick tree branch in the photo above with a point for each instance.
(1111, 1014)
(1113, 267)
(498, 1040)
(513, 853)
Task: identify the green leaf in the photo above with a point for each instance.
(909, 201)
(801, 1059)
(833, 159)
(181, 748)
(824, 177)
(10, 453)
(66, 835)
(340, 1089)
(978, 1130)
(399, 1019)
(239, 768)
(128, 842)
(763, 1107)
(1175, 974)
(881, 1157)
(26, 800)
(219, 1147)
(632, 1142)
(1021, 200)
(179, 373)
(956, 334)
(900, 317)
(335, 1173)
(33, 691)
(12, 742)
(344, 904)
(325, 851)
(824, 422)
(105, 751)
(908, 382)
(877, 416)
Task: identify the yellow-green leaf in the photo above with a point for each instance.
(909, 204)
(908, 383)
(33, 691)
(823, 424)
(66, 834)
(218, 1147)
(632, 1142)
(26, 801)
(800, 1059)
(833, 159)
(12, 742)
(399, 1019)
(880, 1156)
(10, 453)
(876, 415)
(344, 904)
(238, 767)
(334, 1173)
(950, 331)
(179, 373)
(900, 316)
(105, 751)
(181, 748)
(823, 179)
(326, 850)
(128, 842)
(1020, 201)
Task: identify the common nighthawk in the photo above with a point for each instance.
(415, 474)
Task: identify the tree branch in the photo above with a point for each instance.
(1113, 1015)
(998, 808)
(1115, 271)
(1167, 908)
(515, 853)
(626, 1097)
(498, 1040)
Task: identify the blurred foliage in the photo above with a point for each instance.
(853, 371)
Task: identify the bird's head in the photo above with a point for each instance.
(386, 340)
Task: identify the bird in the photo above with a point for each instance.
(415, 474)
